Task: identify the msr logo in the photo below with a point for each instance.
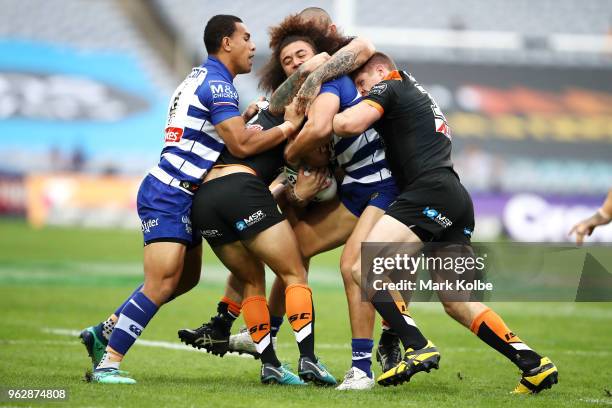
(254, 218)
(210, 233)
(173, 134)
(435, 215)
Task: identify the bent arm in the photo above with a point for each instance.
(317, 130)
(243, 142)
(356, 119)
(283, 95)
(345, 60)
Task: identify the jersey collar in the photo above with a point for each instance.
(393, 75)
(220, 67)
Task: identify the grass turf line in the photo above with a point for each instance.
(573, 335)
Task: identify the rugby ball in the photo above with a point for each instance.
(324, 195)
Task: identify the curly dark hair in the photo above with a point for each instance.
(291, 29)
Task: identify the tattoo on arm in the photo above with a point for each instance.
(286, 91)
(341, 63)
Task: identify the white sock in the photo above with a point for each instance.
(107, 363)
(107, 327)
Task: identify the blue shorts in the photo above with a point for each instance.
(356, 197)
(165, 213)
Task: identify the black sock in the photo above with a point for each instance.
(224, 318)
(388, 337)
(400, 321)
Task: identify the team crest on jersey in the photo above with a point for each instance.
(378, 89)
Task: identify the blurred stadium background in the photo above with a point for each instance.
(526, 86)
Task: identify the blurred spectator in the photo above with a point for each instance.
(77, 159)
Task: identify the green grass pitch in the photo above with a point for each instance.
(56, 281)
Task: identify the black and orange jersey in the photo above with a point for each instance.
(415, 133)
(266, 164)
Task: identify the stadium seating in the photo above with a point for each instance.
(94, 25)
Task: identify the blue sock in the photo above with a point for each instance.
(275, 324)
(133, 319)
(104, 329)
(362, 355)
(120, 308)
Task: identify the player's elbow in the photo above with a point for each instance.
(238, 150)
(321, 131)
(365, 49)
(290, 154)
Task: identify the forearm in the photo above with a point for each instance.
(305, 142)
(343, 126)
(286, 91)
(346, 60)
(259, 141)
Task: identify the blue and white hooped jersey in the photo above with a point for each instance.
(362, 157)
(205, 98)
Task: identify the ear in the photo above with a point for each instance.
(332, 29)
(226, 44)
(381, 71)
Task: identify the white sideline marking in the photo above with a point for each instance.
(318, 346)
(146, 343)
(596, 401)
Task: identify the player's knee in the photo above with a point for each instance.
(346, 270)
(356, 272)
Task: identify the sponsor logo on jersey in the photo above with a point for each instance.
(436, 216)
(223, 90)
(378, 89)
(173, 134)
(252, 219)
(210, 233)
(187, 221)
(148, 224)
